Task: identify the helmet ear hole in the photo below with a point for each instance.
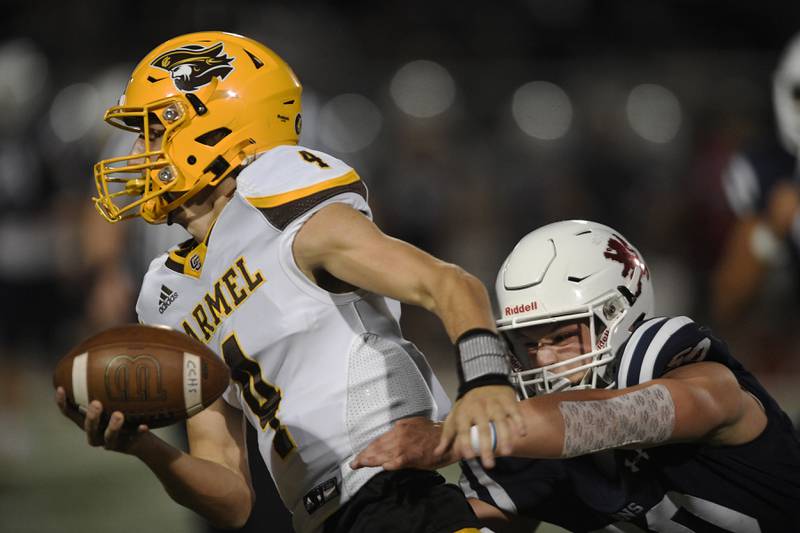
(213, 137)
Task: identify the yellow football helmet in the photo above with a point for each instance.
(220, 99)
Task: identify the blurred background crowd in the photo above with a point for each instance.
(472, 123)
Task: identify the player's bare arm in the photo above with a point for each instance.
(340, 241)
(212, 480)
(697, 402)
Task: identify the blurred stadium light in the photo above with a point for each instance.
(423, 89)
(542, 110)
(75, 111)
(23, 77)
(349, 123)
(654, 112)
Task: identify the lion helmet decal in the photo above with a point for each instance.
(193, 66)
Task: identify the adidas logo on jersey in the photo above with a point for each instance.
(167, 297)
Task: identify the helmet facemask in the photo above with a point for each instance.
(142, 176)
(584, 370)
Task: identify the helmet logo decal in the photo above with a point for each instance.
(193, 66)
(620, 251)
(521, 308)
(601, 342)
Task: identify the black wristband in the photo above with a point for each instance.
(481, 360)
(488, 379)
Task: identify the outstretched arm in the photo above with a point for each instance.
(700, 401)
(697, 402)
(213, 480)
(341, 241)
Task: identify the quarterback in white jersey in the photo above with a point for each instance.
(321, 374)
(288, 279)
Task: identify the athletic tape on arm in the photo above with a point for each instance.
(645, 416)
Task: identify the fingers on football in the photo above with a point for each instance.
(92, 423)
(111, 436)
(61, 399)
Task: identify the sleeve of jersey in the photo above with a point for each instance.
(514, 485)
(293, 181)
(662, 344)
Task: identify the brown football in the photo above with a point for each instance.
(154, 376)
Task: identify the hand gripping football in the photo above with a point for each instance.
(154, 376)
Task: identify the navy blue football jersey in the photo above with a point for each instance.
(750, 175)
(676, 487)
(749, 178)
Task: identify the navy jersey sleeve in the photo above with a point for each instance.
(749, 177)
(662, 344)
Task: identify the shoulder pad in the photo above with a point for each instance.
(662, 344)
(288, 181)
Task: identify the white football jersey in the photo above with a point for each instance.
(319, 375)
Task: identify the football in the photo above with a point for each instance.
(153, 375)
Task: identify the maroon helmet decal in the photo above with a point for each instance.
(620, 251)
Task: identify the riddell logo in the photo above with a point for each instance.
(522, 308)
(601, 342)
(167, 297)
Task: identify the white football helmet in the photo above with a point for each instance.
(565, 271)
(786, 96)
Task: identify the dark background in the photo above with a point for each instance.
(637, 107)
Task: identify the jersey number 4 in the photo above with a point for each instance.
(262, 397)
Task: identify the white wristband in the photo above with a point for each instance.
(475, 438)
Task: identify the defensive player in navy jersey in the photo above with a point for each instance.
(636, 422)
(763, 192)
